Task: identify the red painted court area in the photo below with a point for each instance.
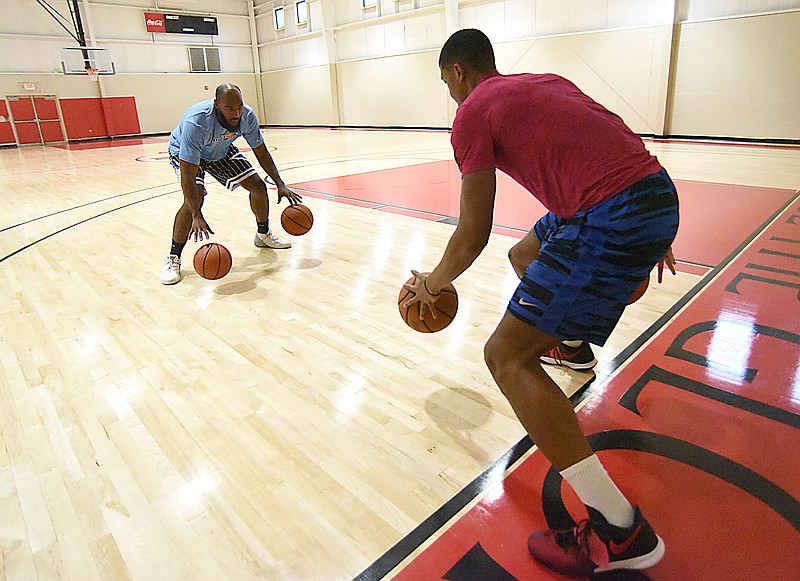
(431, 191)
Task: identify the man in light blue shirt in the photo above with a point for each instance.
(203, 142)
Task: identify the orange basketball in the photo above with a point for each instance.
(212, 261)
(297, 219)
(637, 294)
(446, 306)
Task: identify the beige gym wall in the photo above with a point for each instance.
(739, 77)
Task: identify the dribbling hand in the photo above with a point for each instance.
(669, 261)
(421, 295)
(284, 192)
(200, 229)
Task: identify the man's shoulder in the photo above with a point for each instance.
(249, 114)
(200, 111)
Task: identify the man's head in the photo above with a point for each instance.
(466, 58)
(228, 105)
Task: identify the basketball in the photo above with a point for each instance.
(637, 294)
(446, 306)
(212, 261)
(297, 219)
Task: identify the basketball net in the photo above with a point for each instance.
(92, 72)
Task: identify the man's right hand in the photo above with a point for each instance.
(200, 229)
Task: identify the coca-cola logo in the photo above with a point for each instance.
(154, 22)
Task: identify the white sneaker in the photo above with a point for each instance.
(269, 240)
(171, 273)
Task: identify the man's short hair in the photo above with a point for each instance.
(224, 88)
(470, 48)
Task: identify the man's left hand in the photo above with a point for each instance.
(669, 261)
(421, 295)
(284, 192)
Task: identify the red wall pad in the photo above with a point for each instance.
(83, 118)
(121, 115)
(6, 132)
(100, 117)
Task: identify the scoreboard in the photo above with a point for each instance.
(180, 23)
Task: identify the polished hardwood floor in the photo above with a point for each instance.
(280, 423)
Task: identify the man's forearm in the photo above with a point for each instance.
(458, 256)
(268, 165)
(191, 196)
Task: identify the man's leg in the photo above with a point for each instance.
(576, 355)
(259, 204)
(512, 355)
(524, 252)
(171, 272)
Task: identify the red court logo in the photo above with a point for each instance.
(154, 22)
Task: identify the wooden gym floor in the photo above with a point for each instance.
(283, 423)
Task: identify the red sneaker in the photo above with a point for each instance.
(595, 545)
(578, 358)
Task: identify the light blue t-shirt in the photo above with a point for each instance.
(200, 136)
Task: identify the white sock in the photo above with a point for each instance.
(596, 489)
(573, 343)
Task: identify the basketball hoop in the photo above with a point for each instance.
(92, 72)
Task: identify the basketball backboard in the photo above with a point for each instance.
(75, 60)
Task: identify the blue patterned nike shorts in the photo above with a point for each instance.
(590, 265)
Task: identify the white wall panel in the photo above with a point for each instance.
(631, 83)
(26, 55)
(400, 90)
(626, 13)
(703, 9)
(306, 52)
(300, 97)
(552, 17)
(739, 78)
(28, 17)
(62, 85)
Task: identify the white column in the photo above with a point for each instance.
(328, 24)
(261, 108)
(451, 16)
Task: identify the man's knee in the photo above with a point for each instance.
(499, 355)
(492, 354)
(514, 347)
(523, 253)
(255, 185)
(515, 257)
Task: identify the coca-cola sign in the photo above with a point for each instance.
(154, 22)
(180, 23)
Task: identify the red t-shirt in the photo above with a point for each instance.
(567, 150)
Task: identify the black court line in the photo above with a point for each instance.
(387, 562)
(81, 206)
(6, 257)
(375, 205)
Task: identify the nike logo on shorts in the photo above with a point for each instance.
(525, 303)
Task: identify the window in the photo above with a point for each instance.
(280, 23)
(301, 13)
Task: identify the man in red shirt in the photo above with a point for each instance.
(613, 214)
